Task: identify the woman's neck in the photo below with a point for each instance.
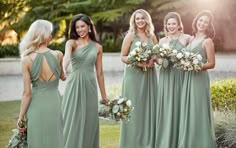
(84, 40)
(174, 35)
(200, 35)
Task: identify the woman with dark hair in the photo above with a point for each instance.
(80, 100)
(196, 123)
(170, 86)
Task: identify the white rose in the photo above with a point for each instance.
(199, 57)
(195, 61)
(120, 100)
(133, 53)
(179, 55)
(187, 54)
(144, 44)
(139, 49)
(166, 46)
(174, 51)
(128, 103)
(138, 43)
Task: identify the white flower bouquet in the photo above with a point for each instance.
(188, 61)
(18, 139)
(118, 109)
(165, 53)
(141, 53)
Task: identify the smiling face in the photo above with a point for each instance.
(140, 21)
(203, 23)
(81, 28)
(172, 25)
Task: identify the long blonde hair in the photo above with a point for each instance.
(149, 25)
(39, 32)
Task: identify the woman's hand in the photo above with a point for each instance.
(105, 101)
(21, 125)
(142, 64)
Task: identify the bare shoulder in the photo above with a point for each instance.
(99, 47)
(71, 43)
(208, 42)
(25, 61)
(129, 37)
(186, 36)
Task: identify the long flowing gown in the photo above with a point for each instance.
(196, 122)
(44, 120)
(140, 87)
(80, 101)
(168, 103)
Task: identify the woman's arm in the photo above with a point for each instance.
(100, 75)
(125, 47)
(27, 88)
(62, 74)
(208, 45)
(67, 56)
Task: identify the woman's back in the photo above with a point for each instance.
(44, 126)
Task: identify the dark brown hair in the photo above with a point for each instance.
(72, 32)
(210, 32)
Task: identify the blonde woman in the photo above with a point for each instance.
(41, 100)
(139, 86)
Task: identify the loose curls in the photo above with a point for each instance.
(175, 16)
(72, 32)
(39, 32)
(210, 32)
(149, 30)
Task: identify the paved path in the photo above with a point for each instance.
(11, 84)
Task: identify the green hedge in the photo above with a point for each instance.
(225, 129)
(9, 51)
(223, 94)
(109, 45)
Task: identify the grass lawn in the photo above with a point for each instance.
(9, 110)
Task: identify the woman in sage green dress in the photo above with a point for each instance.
(80, 100)
(41, 103)
(139, 86)
(196, 123)
(170, 86)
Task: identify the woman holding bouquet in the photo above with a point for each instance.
(41, 103)
(196, 123)
(139, 86)
(80, 100)
(170, 86)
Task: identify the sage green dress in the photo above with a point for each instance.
(196, 123)
(140, 87)
(168, 103)
(44, 120)
(80, 101)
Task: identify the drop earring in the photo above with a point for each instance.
(89, 30)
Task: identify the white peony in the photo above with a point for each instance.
(195, 61)
(133, 53)
(174, 51)
(138, 43)
(179, 55)
(144, 44)
(187, 54)
(128, 103)
(199, 57)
